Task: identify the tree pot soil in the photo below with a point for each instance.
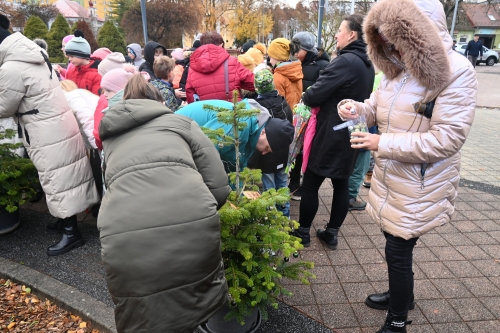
(8, 221)
(217, 324)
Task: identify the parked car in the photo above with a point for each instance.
(490, 57)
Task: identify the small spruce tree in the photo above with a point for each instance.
(17, 175)
(256, 240)
(110, 37)
(58, 30)
(84, 27)
(35, 28)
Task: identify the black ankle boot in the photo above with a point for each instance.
(56, 227)
(329, 236)
(394, 324)
(71, 238)
(381, 301)
(303, 234)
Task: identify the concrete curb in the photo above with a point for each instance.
(66, 297)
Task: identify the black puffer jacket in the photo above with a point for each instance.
(348, 76)
(311, 68)
(149, 56)
(278, 108)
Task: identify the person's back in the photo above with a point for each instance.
(164, 162)
(213, 73)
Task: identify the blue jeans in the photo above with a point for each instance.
(357, 176)
(277, 180)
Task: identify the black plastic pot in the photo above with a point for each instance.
(8, 221)
(217, 324)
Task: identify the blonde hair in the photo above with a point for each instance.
(163, 66)
(138, 88)
(68, 85)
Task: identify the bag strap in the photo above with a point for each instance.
(226, 78)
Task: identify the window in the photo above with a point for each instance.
(492, 17)
(463, 39)
(464, 47)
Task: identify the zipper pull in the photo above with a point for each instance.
(405, 78)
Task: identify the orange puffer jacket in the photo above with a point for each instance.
(417, 165)
(288, 81)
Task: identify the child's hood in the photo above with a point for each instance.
(290, 70)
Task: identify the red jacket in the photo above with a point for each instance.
(86, 77)
(206, 74)
(101, 105)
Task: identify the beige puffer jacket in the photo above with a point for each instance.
(416, 175)
(50, 133)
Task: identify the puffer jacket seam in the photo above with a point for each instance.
(161, 226)
(135, 168)
(71, 188)
(182, 286)
(62, 140)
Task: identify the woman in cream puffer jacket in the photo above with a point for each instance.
(30, 90)
(416, 176)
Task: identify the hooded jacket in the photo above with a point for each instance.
(417, 165)
(86, 77)
(139, 60)
(149, 56)
(312, 66)
(83, 104)
(187, 61)
(288, 81)
(31, 91)
(278, 108)
(248, 136)
(158, 222)
(349, 75)
(206, 76)
(178, 71)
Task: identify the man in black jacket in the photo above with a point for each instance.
(272, 164)
(349, 76)
(313, 63)
(474, 49)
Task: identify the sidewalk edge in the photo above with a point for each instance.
(65, 296)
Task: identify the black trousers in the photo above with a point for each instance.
(309, 202)
(399, 257)
(95, 165)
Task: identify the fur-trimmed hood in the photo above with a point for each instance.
(418, 30)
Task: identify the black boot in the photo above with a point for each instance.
(303, 234)
(394, 324)
(71, 238)
(381, 301)
(329, 236)
(56, 227)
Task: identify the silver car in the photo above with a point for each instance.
(490, 57)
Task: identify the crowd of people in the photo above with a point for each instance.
(121, 134)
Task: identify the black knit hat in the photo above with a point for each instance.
(4, 26)
(279, 133)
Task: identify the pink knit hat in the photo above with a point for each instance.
(101, 53)
(111, 61)
(116, 79)
(68, 38)
(177, 54)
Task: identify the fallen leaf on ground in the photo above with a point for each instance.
(21, 311)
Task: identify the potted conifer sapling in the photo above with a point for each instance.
(256, 241)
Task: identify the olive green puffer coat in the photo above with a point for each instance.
(159, 226)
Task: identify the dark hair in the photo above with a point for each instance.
(355, 23)
(4, 22)
(211, 37)
(138, 88)
(476, 35)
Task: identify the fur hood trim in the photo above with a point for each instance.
(412, 33)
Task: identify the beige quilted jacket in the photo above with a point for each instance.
(416, 175)
(50, 133)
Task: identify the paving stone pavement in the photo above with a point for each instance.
(457, 266)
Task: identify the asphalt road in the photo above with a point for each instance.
(489, 86)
